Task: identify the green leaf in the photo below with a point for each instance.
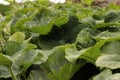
(5, 60)
(42, 29)
(65, 72)
(45, 55)
(112, 16)
(98, 15)
(57, 65)
(110, 55)
(22, 60)
(107, 35)
(47, 44)
(114, 77)
(61, 21)
(21, 18)
(4, 73)
(26, 17)
(88, 54)
(29, 46)
(18, 58)
(101, 24)
(37, 75)
(56, 59)
(25, 57)
(84, 38)
(11, 47)
(72, 54)
(111, 48)
(103, 75)
(89, 21)
(17, 37)
(92, 53)
(108, 61)
(29, 57)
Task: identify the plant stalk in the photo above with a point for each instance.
(12, 73)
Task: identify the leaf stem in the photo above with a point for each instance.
(12, 73)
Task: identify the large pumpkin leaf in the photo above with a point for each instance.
(110, 55)
(92, 53)
(108, 61)
(57, 65)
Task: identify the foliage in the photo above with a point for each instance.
(41, 41)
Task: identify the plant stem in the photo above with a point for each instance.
(12, 73)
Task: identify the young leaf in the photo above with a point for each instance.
(17, 37)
